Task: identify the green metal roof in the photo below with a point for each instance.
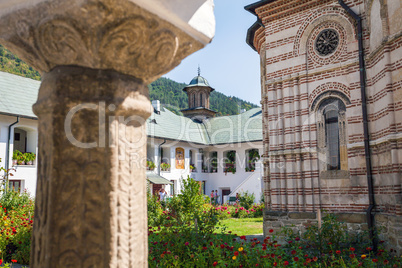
(174, 127)
(243, 127)
(198, 81)
(156, 179)
(18, 94)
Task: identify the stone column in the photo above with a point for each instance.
(96, 58)
(91, 186)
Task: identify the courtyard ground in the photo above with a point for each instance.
(240, 227)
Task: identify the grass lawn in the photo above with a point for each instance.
(248, 226)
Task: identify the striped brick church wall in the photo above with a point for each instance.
(296, 79)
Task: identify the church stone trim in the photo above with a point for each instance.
(329, 88)
(315, 19)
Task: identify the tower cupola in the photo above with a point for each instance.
(198, 92)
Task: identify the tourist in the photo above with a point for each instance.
(162, 195)
(216, 197)
(212, 197)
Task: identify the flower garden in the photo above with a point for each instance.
(186, 232)
(16, 213)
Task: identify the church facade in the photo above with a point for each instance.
(331, 76)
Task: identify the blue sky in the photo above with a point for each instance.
(228, 63)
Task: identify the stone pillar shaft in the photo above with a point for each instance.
(91, 178)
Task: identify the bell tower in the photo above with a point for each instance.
(198, 92)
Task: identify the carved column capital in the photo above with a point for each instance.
(108, 34)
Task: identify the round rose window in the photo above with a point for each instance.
(327, 41)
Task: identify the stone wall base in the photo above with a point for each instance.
(389, 227)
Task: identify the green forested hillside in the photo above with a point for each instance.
(169, 92)
(171, 95)
(12, 64)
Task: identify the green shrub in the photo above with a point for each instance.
(154, 210)
(188, 213)
(246, 199)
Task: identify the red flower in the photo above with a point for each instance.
(1, 261)
(296, 258)
(293, 252)
(352, 256)
(315, 259)
(297, 239)
(338, 252)
(256, 264)
(286, 263)
(215, 263)
(222, 246)
(271, 230)
(375, 260)
(187, 243)
(275, 264)
(236, 253)
(14, 261)
(385, 262)
(352, 249)
(369, 248)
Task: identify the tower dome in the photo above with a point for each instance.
(199, 81)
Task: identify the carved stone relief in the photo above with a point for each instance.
(108, 34)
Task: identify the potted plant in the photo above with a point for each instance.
(192, 168)
(204, 169)
(16, 156)
(165, 167)
(21, 159)
(230, 167)
(29, 158)
(214, 165)
(150, 165)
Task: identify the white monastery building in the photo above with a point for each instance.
(222, 153)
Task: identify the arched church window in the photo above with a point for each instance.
(332, 134)
(332, 139)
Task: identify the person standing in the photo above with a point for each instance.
(212, 197)
(237, 198)
(162, 195)
(216, 197)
